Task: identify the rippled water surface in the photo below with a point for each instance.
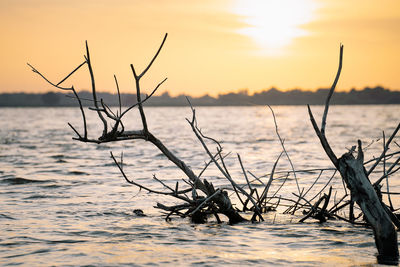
(65, 203)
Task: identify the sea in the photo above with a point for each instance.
(65, 203)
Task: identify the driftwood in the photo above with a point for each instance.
(362, 191)
(201, 200)
(204, 200)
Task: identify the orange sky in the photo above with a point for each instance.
(214, 46)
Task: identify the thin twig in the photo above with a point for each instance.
(144, 100)
(244, 172)
(154, 58)
(284, 149)
(77, 68)
(384, 150)
(119, 95)
(271, 178)
(388, 172)
(147, 188)
(384, 172)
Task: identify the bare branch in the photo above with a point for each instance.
(154, 58)
(256, 178)
(77, 133)
(119, 94)
(221, 169)
(384, 150)
(77, 68)
(139, 100)
(387, 156)
(322, 139)
(147, 188)
(271, 178)
(284, 149)
(388, 172)
(47, 80)
(331, 91)
(144, 100)
(94, 90)
(323, 188)
(384, 171)
(68, 89)
(244, 172)
(208, 164)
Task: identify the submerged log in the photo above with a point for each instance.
(353, 173)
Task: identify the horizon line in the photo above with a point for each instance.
(237, 91)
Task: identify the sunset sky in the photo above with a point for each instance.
(213, 46)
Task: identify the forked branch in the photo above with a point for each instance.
(356, 178)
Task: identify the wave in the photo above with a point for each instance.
(19, 180)
(77, 173)
(4, 216)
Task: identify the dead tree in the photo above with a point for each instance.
(362, 191)
(200, 197)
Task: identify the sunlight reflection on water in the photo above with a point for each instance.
(64, 203)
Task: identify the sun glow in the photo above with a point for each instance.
(273, 24)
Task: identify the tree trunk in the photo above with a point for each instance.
(363, 193)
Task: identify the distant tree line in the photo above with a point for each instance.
(377, 95)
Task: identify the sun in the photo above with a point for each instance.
(274, 24)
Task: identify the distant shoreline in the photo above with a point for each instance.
(366, 96)
(197, 106)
